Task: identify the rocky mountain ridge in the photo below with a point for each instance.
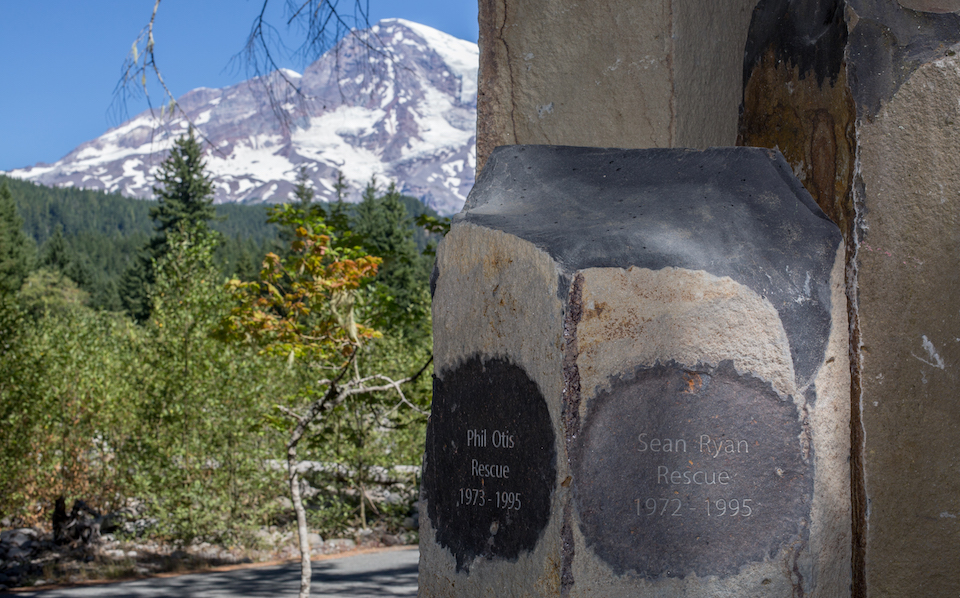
(396, 101)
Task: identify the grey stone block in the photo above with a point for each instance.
(641, 381)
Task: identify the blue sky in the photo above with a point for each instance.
(60, 59)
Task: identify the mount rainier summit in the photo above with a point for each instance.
(397, 100)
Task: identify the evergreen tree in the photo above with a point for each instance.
(134, 288)
(58, 257)
(185, 193)
(54, 254)
(303, 204)
(385, 229)
(184, 198)
(339, 219)
(247, 266)
(15, 248)
(341, 186)
(103, 233)
(104, 294)
(303, 191)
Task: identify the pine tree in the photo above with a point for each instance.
(185, 199)
(134, 288)
(185, 193)
(341, 186)
(303, 192)
(302, 202)
(54, 254)
(15, 249)
(385, 229)
(338, 219)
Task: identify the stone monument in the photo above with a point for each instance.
(642, 382)
(860, 96)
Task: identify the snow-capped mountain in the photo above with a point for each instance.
(397, 101)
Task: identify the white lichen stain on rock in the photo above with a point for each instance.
(910, 154)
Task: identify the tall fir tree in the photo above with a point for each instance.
(341, 187)
(185, 198)
(333, 215)
(382, 224)
(303, 191)
(339, 219)
(54, 253)
(16, 253)
(134, 288)
(185, 191)
(303, 202)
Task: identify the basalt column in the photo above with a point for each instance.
(862, 99)
(610, 73)
(642, 385)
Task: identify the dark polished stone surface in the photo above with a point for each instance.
(490, 466)
(881, 51)
(679, 471)
(736, 212)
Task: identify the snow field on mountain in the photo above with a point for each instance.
(405, 113)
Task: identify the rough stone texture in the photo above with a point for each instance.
(796, 99)
(619, 73)
(884, 77)
(861, 98)
(552, 268)
(480, 314)
(499, 300)
(831, 533)
(730, 200)
(676, 461)
(887, 43)
(687, 316)
(747, 332)
(491, 462)
(908, 263)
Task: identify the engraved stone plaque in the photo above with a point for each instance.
(491, 461)
(680, 471)
(631, 285)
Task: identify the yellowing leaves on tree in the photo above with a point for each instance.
(303, 305)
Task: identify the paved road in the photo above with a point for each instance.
(376, 575)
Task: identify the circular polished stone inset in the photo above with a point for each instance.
(680, 471)
(490, 465)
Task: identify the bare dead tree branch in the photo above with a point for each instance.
(323, 24)
(288, 412)
(331, 398)
(140, 62)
